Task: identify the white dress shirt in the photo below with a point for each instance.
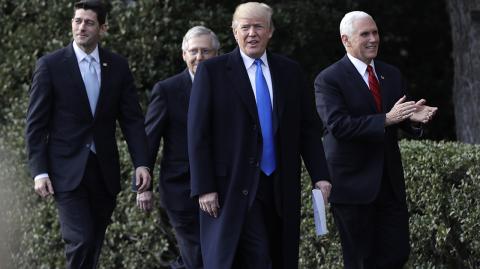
(251, 69)
(362, 67)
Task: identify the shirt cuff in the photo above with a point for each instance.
(40, 176)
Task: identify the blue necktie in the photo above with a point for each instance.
(264, 107)
(93, 88)
(91, 83)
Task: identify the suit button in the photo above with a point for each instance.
(251, 160)
(245, 192)
(254, 127)
(257, 164)
(87, 146)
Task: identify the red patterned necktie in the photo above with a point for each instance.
(374, 88)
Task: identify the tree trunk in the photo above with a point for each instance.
(465, 25)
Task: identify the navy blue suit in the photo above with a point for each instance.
(167, 118)
(60, 128)
(225, 146)
(365, 163)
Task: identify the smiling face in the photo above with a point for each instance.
(199, 48)
(86, 29)
(363, 43)
(252, 35)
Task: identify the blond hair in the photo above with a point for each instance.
(253, 10)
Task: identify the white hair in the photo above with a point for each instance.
(346, 25)
(197, 31)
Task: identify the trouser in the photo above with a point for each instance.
(187, 233)
(374, 235)
(84, 215)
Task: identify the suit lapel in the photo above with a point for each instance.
(383, 85)
(185, 88)
(358, 80)
(279, 94)
(105, 74)
(241, 83)
(71, 64)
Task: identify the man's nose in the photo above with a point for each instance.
(252, 31)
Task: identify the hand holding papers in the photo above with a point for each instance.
(319, 212)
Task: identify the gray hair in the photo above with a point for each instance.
(253, 10)
(198, 31)
(346, 25)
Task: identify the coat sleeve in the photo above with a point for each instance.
(132, 121)
(199, 134)
(38, 116)
(156, 121)
(311, 145)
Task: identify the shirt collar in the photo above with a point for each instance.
(248, 61)
(191, 74)
(81, 54)
(359, 65)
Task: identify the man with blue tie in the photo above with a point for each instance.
(362, 104)
(77, 95)
(251, 118)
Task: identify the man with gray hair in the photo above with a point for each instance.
(250, 119)
(167, 117)
(362, 103)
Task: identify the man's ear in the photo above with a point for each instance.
(103, 29)
(345, 41)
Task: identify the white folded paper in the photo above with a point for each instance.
(319, 212)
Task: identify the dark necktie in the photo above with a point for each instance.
(374, 88)
(264, 107)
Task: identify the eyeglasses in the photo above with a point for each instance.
(203, 52)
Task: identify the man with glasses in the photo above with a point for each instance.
(77, 95)
(167, 118)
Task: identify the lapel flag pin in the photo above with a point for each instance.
(382, 77)
(104, 64)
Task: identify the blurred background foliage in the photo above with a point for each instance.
(415, 37)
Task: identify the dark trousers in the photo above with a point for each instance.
(374, 235)
(187, 233)
(260, 243)
(84, 216)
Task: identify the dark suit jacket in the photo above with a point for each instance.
(60, 125)
(357, 145)
(225, 147)
(167, 117)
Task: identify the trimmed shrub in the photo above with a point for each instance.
(443, 186)
(442, 178)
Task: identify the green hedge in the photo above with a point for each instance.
(443, 182)
(441, 176)
(443, 190)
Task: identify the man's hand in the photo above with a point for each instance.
(142, 179)
(325, 187)
(43, 187)
(209, 203)
(145, 200)
(423, 113)
(400, 111)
